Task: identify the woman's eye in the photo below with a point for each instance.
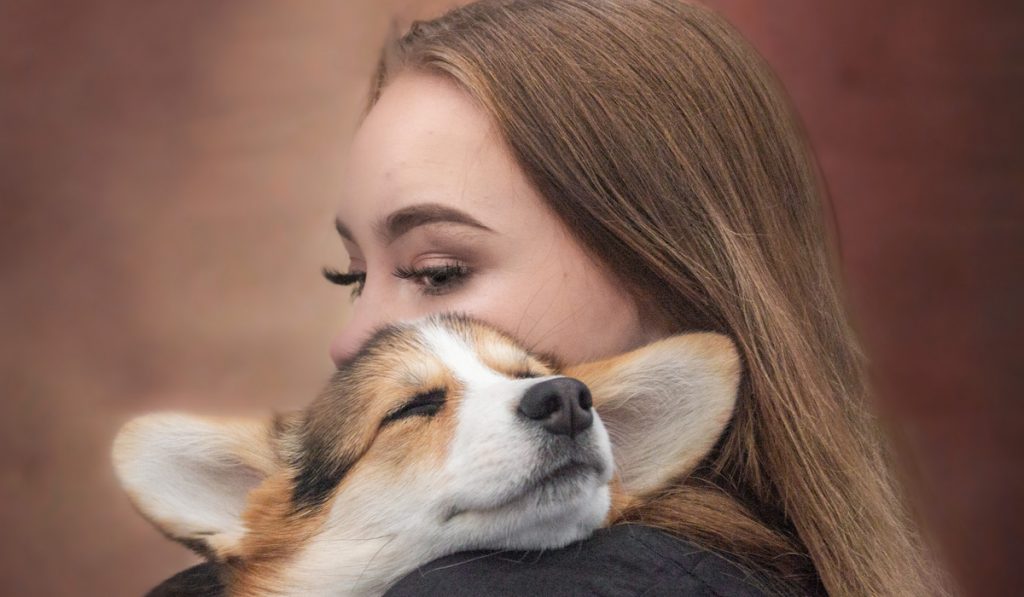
(436, 279)
(426, 404)
(355, 279)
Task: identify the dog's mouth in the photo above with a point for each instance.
(555, 484)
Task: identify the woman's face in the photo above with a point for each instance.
(439, 218)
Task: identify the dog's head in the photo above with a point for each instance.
(440, 435)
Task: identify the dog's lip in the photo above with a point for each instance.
(573, 468)
(570, 469)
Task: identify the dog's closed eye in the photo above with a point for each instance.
(526, 374)
(426, 404)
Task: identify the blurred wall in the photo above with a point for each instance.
(168, 173)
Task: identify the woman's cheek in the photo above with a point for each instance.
(523, 310)
(488, 298)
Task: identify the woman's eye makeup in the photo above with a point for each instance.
(433, 280)
(355, 279)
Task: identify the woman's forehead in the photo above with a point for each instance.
(426, 141)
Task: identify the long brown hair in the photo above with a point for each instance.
(661, 140)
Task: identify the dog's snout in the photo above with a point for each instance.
(560, 405)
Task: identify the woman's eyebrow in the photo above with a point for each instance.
(403, 220)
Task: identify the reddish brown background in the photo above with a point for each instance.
(168, 173)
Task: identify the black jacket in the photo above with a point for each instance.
(625, 560)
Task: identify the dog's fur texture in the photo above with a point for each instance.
(418, 448)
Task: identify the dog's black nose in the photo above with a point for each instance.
(561, 405)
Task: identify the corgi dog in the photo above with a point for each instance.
(441, 435)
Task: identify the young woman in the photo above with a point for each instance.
(591, 175)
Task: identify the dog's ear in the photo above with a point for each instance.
(190, 476)
(664, 405)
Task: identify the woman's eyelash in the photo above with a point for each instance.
(357, 279)
(435, 279)
(343, 279)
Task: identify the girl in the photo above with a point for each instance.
(591, 175)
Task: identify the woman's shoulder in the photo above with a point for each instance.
(618, 561)
(624, 560)
(201, 580)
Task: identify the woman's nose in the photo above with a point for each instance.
(356, 331)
